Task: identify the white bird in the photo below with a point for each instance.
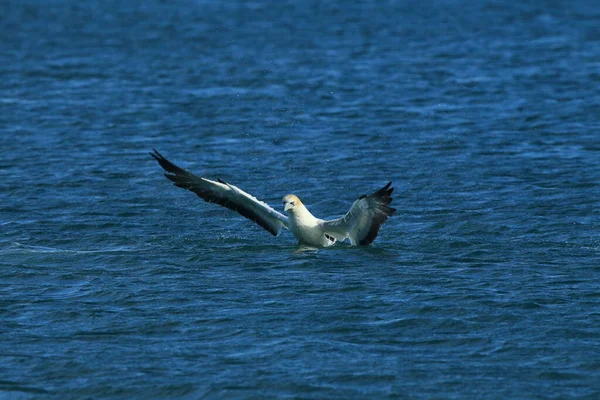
(360, 225)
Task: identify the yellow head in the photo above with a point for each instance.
(290, 202)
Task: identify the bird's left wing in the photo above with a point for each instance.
(361, 224)
(226, 195)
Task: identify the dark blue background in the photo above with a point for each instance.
(484, 114)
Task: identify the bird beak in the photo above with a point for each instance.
(287, 206)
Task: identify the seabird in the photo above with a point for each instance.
(360, 225)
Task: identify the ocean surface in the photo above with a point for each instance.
(485, 115)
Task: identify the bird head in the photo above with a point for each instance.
(290, 203)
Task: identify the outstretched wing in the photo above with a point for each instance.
(361, 224)
(225, 195)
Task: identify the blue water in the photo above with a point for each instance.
(485, 115)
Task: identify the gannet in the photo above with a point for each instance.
(360, 225)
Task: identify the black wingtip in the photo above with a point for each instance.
(167, 165)
(384, 192)
(156, 155)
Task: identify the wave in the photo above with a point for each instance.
(20, 248)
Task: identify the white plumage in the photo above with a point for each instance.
(360, 225)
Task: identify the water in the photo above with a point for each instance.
(115, 284)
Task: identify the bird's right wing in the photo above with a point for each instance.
(361, 224)
(226, 195)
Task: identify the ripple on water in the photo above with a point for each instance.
(118, 285)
